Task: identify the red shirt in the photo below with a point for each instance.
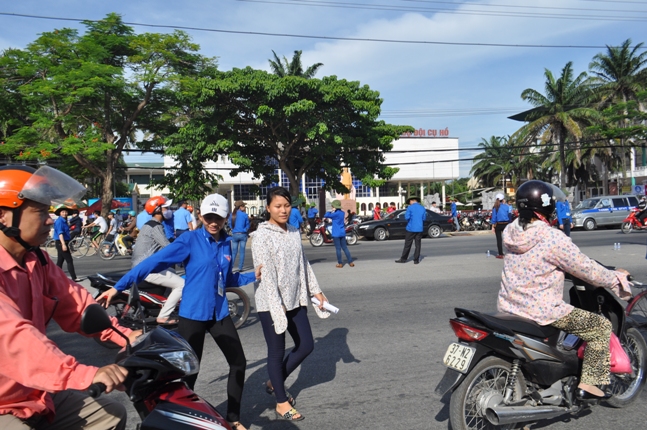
(31, 365)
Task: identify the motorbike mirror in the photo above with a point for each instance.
(134, 296)
(95, 319)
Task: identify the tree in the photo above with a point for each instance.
(87, 96)
(294, 67)
(302, 126)
(562, 113)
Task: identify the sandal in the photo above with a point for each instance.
(339, 266)
(351, 264)
(289, 415)
(291, 400)
(168, 321)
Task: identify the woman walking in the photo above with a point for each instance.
(206, 255)
(239, 223)
(282, 297)
(62, 240)
(500, 220)
(339, 233)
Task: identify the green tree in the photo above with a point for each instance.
(87, 96)
(302, 126)
(294, 67)
(561, 114)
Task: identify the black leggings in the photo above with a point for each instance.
(498, 230)
(67, 256)
(280, 366)
(226, 337)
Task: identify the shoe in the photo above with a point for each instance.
(291, 400)
(339, 266)
(77, 279)
(400, 261)
(580, 394)
(168, 321)
(416, 261)
(500, 257)
(351, 264)
(289, 415)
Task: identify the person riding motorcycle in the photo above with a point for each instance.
(39, 383)
(533, 280)
(643, 210)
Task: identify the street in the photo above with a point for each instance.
(376, 363)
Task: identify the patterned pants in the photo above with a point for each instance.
(596, 331)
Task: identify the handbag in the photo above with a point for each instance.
(620, 362)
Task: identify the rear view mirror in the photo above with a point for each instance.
(133, 301)
(95, 319)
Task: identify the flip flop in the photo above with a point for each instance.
(169, 321)
(289, 415)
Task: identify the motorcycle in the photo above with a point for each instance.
(505, 369)
(110, 248)
(632, 222)
(156, 362)
(323, 234)
(152, 297)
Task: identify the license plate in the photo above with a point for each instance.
(459, 357)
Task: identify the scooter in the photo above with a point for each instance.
(153, 297)
(632, 222)
(109, 249)
(505, 369)
(323, 234)
(156, 362)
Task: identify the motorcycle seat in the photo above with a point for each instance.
(509, 323)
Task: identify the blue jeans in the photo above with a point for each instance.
(340, 243)
(238, 239)
(456, 222)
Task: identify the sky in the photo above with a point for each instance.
(457, 77)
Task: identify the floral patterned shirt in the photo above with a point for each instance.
(287, 280)
(533, 272)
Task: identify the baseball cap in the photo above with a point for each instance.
(499, 196)
(215, 204)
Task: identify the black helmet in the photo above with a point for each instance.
(538, 196)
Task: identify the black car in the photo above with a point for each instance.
(394, 225)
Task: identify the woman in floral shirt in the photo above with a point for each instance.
(282, 297)
(533, 281)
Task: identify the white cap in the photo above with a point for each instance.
(499, 196)
(215, 204)
(168, 203)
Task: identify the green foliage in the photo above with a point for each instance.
(292, 68)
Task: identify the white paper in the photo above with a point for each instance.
(327, 306)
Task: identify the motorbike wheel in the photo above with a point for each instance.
(351, 238)
(239, 306)
(316, 239)
(380, 234)
(107, 251)
(484, 385)
(626, 227)
(625, 388)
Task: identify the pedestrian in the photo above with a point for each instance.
(62, 240)
(391, 208)
(190, 209)
(282, 298)
(455, 214)
(500, 220)
(142, 218)
(239, 224)
(564, 219)
(295, 215)
(182, 219)
(339, 233)
(416, 215)
(168, 220)
(75, 223)
(312, 216)
(206, 255)
(377, 212)
(434, 207)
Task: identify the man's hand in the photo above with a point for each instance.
(112, 376)
(257, 272)
(105, 298)
(134, 335)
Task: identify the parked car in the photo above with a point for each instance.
(603, 211)
(394, 225)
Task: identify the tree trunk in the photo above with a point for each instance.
(107, 193)
(562, 157)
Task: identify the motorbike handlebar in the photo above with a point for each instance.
(95, 390)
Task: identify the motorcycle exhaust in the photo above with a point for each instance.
(502, 414)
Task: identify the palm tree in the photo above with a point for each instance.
(561, 115)
(294, 67)
(494, 162)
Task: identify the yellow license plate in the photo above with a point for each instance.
(459, 357)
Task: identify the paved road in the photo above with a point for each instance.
(377, 362)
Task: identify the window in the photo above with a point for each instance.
(244, 192)
(361, 190)
(312, 187)
(144, 179)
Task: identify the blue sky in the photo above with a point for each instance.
(429, 86)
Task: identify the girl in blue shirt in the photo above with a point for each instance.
(206, 255)
(500, 220)
(239, 223)
(62, 238)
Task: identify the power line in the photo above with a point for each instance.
(303, 36)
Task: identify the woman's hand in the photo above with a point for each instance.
(105, 298)
(257, 272)
(321, 298)
(134, 335)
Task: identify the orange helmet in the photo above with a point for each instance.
(155, 204)
(189, 208)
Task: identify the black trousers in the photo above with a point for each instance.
(498, 231)
(67, 256)
(408, 240)
(226, 337)
(313, 224)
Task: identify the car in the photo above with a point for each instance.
(603, 211)
(394, 225)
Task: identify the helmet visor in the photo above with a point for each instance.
(558, 194)
(52, 187)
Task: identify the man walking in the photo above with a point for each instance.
(455, 214)
(416, 215)
(182, 219)
(312, 215)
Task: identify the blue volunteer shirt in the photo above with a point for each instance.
(142, 218)
(205, 260)
(453, 208)
(169, 224)
(337, 217)
(312, 212)
(563, 210)
(295, 218)
(242, 222)
(181, 219)
(61, 227)
(501, 215)
(416, 214)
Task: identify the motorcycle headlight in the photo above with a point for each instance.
(186, 361)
